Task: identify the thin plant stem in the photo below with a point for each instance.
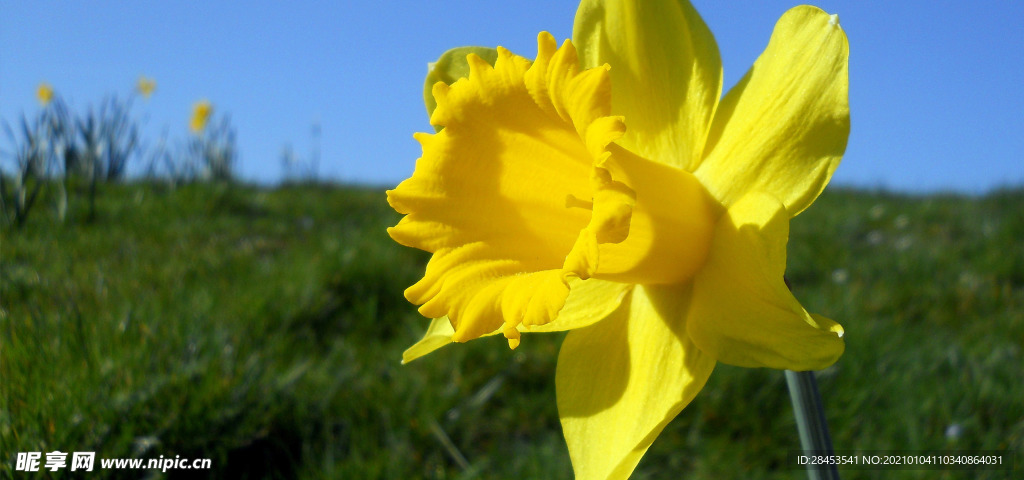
(810, 422)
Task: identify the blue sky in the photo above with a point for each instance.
(935, 86)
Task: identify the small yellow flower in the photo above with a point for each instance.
(611, 192)
(44, 92)
(145, 86)
(201, 113)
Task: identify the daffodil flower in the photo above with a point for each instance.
(608, 191)
(44, 93)
(145, 86)
(201, 113)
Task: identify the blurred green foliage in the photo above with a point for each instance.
(263, 328)
(76, 154)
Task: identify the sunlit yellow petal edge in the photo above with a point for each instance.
(500, 196)
(438, 334)
(783, 128)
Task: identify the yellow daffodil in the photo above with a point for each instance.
(201, 113)
(44, 92)
(145, 86)
(610, 192)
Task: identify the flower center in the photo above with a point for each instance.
(670, 228)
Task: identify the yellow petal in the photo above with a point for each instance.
(666, 73)
(742, 313)
(439, 334)
(589, 301)
(783, 129)
(621, 380)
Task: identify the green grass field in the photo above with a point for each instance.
(263, 328)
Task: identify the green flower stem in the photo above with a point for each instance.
(810, 422)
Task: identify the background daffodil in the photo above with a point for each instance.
(44, 93)
(201, 112)
(145, 86)
(609, 192)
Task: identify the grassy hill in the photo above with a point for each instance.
(262, 328)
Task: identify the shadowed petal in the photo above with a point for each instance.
(741, 312)
(622, 379)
